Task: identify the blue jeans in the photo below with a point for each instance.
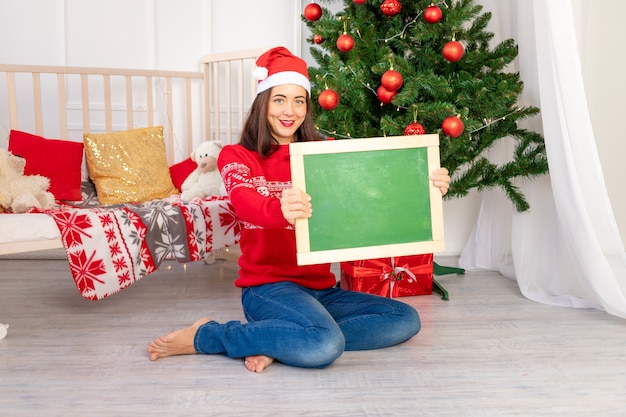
(308, 328)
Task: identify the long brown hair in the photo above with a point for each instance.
(256, 134)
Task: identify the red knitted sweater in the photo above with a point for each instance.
(268, 241)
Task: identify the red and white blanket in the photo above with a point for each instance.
(111, 247)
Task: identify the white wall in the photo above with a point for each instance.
(162, 34)
(173, 34)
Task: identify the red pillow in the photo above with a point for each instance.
(58, 160)
(180, 171)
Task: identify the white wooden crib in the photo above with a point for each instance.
(56, 102)
(65, 102)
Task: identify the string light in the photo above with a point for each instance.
(167, 96)
(404, 29)
(489, 122)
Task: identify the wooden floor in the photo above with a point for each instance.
(486, 352)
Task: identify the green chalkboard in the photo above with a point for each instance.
(371, 198)
(362, 200)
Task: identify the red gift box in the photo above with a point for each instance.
(390, 277)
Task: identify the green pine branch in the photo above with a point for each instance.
(480, 88)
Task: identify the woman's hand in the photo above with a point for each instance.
(441, 179)
(295, 204)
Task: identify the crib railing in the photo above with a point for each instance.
(65, 102)
(230, 89)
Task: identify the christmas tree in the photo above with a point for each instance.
(399, 67)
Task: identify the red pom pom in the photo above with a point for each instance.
(312, 12)
(345, 43)
(359, 1)
(452, 126)
(391, 7)
(391, 80)
(328, 99)
(414, 129)
(453, 51)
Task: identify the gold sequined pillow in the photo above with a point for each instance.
(129, 166)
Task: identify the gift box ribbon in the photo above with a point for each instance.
(390, 272)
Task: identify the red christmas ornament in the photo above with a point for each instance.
(345, 43)
(452, 126)
(391, 8)
(414, 129)
(391, 80)
(385, 96)
(359, 1)
(328, 99)
(432, 14)
(453, 51)
(312, 12)
(318, 39)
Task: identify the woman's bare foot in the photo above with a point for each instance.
(178, 342)
(258, 363)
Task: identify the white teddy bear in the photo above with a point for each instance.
(205, 180)
(18, 192)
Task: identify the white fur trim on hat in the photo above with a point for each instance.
(260, 73)
(284, 77)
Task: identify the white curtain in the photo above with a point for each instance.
(566, 250)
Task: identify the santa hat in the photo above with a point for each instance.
(279, 66)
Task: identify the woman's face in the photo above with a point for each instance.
(286, 111)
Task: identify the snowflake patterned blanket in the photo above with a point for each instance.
(111, 247)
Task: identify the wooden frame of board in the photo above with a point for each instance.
(371, 198)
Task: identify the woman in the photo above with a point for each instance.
(295, 314)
